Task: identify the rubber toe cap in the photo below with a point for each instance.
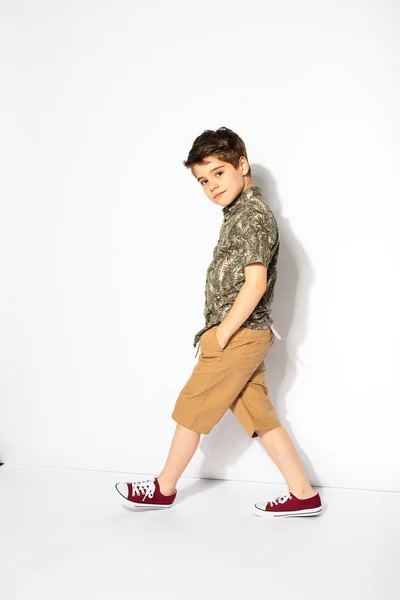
(122, 488)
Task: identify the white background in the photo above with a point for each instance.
(106, 237)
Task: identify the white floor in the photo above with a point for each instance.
(65, 534)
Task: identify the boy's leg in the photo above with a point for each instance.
(206, 396)
(217, 379)
(184, 445)
(256, 414)
(281, 449)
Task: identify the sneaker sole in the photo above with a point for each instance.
(140, 505)
(130, 504)
(307, 512)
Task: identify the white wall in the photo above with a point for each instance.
(106, 237)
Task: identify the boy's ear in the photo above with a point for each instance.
(244, 165)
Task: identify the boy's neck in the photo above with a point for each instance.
(248, 185)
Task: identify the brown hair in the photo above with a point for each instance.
(223, 143)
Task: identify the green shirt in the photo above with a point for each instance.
(249, 233)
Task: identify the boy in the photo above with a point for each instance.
(238, 333)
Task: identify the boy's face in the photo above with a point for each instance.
(219, 177)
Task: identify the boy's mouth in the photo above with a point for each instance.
(218, 195)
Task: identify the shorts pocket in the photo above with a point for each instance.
(209, 346)
(216, 340)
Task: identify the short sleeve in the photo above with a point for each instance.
(254, 240)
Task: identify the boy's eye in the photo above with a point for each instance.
(217, 173)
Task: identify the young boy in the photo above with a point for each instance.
(238, 333)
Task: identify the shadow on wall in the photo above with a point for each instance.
(227, 441)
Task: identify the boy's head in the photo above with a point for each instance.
(218, 160)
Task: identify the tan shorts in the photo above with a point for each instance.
(233, 377)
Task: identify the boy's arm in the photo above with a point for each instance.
(247, 299)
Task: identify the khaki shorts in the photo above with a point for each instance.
(234, 378)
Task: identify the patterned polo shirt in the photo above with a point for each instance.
(249, 233)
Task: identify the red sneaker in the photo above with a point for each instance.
(144, 494)
(287, 505)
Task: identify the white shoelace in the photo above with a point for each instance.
(281, 499)
(146, 486)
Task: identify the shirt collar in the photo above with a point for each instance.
(242, 199)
